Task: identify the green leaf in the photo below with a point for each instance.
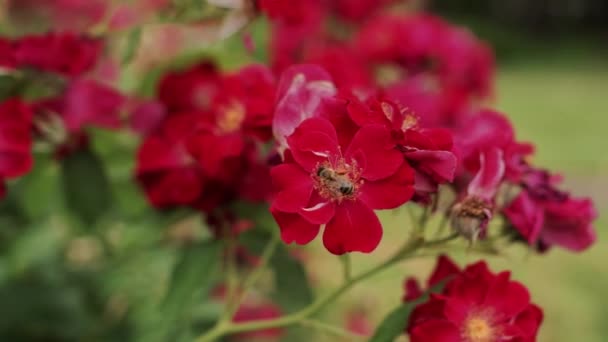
(133, 42)
(293, 291)
(8, 86)
(395, 322)
(85, 185)
(193, 276)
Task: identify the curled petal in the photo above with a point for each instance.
(492, 169)
(318, 210)
(354, 228)
(301, 90)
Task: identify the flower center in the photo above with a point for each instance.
(337, 181)
(231, 117)
(478, 329)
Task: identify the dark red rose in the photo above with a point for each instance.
(477, 305)
(7, 54)
(190, 89)
(321, 185)
(15, 138)
(545, 216)
(66, 53)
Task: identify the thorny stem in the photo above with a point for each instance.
(226, 328)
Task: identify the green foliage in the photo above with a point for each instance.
(86, 186)
(194, 275)
(132, 43)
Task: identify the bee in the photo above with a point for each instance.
(335, 181)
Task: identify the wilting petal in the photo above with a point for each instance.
(375, 151)
(526, 216)
(293, 187)
(313, 142)
(301, 89)
(294, 228)
(490, 174)
(354, 228)
(435, 331)
(391, 192)
(569, 224)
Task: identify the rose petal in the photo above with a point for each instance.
(490, 174)
(294, 228)
(313, 142)
(375, 152)
(301, 89)
(354, 228)
(435, 331)
(391, 192)
(293, 187)
(319, 210)
(507, 298)
(439, 164)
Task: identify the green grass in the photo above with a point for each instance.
(562, 108)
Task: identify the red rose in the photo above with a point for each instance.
(477, 305)
(320, 184)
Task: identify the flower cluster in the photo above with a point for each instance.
(360, 109)
(205, 150)
(61, 100)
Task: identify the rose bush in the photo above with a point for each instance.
(349, 108)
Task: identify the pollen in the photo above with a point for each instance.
(231, 117)
(478, 329)
(337, 181)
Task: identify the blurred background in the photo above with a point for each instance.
(552, 82)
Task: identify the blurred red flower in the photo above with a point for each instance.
(15, 140)
(66, 53)
(545, 216)
(258, 312)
